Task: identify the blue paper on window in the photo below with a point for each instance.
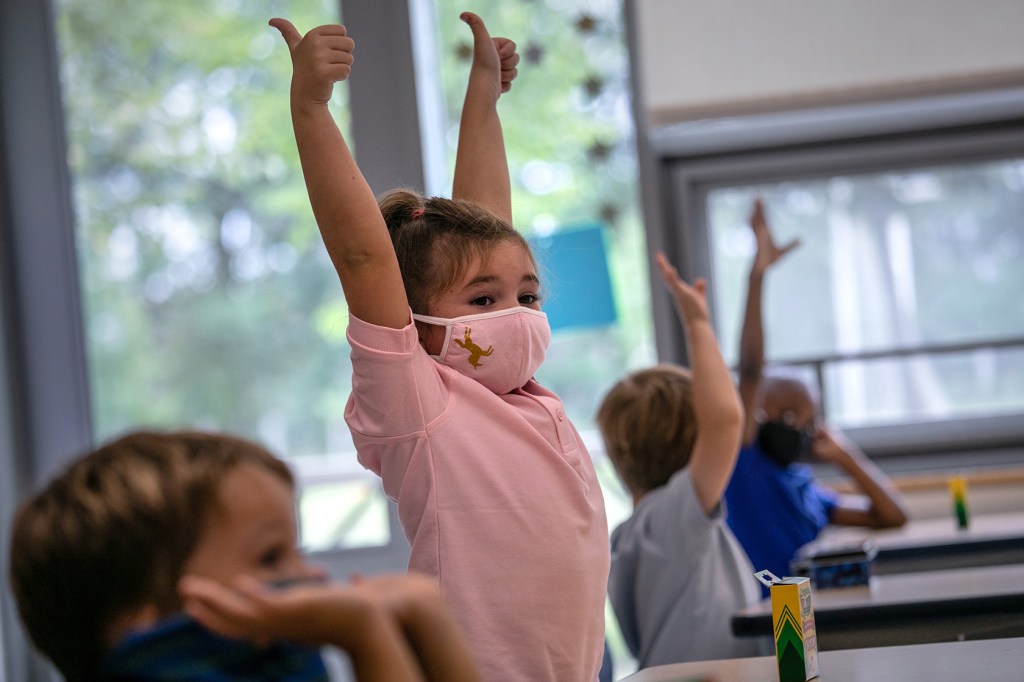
(574, 274)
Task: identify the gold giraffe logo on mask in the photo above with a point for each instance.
(475, 351)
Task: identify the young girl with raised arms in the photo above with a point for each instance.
(496, 492)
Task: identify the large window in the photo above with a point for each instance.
(209, 300)
(906, 287)
(903, 299)
(208, 297)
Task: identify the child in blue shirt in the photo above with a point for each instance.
(775, 504)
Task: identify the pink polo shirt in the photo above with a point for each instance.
(498, 498)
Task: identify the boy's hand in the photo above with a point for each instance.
(320, 59)
(831, 446)
(251, 609)
(248, 609)
(493, 58)
(767, 251)
(354, 617)
(690, 300)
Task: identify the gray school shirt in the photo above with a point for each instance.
(677, 577)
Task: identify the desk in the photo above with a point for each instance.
(991, 660)
(910, 608)
(931, 544)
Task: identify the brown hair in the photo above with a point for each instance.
(648, 425)
(436, 239)
(112, 534)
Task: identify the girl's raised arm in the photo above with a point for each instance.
(344, 206)
(481, 167)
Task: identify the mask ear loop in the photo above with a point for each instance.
(446, 344)
(437, 322)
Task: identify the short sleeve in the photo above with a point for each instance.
(397, 389)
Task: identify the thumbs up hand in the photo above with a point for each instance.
(320, 59)
(495, 59)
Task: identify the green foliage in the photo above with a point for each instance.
(204, 276)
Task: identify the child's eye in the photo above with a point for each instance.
(482, 301)
(529, 299)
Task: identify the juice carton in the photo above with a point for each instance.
(796, 640)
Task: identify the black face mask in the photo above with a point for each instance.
(784, 443)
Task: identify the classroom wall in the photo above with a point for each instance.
(729, 57)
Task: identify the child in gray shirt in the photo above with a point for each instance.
(677, 572)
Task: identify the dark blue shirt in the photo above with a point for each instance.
(774, 510)
(178, 649)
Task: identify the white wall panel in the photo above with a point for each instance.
(725, 57)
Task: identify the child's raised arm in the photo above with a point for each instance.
(481, 168)
(751, 367)
(716, 406)
(344, 206)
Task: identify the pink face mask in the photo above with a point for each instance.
(502, 350)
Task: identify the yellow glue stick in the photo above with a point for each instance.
(958, 490)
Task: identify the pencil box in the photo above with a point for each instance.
(847, 566)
